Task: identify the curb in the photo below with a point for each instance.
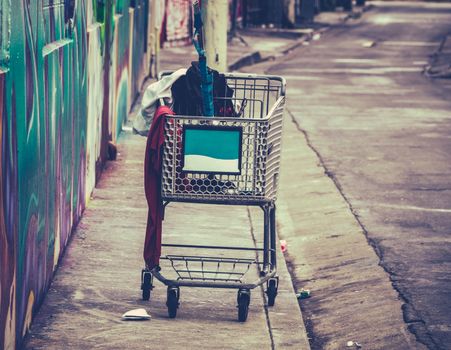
(285, 322)
(246, 60)
(257, 57)
(286, 332)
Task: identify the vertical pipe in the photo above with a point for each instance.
(215, 17)
(266, 233)
(105, 137)
(155, 19)
(272, 225)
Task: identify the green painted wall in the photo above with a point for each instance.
(67, 71)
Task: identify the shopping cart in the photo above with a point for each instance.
(246, 173)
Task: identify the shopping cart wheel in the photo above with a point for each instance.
(271, 290)
(146, 283)
(173, 301)
(244, 298)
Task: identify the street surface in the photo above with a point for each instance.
(381, 130)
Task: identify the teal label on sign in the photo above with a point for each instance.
(208, 149)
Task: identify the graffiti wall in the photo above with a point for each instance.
(69, 70)
(94, 68)
(176, 23)
(120, 68)
(130, 59)
(69, 73)
(140, 68)
(8, 213)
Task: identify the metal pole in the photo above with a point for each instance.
(215, 15)
(273, 234)
(266, 235)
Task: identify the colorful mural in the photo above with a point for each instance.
(140, 68)
(177, 23)
(120, 68)
(69, 73)
(69, 70)
(94, 68)
(8, 213)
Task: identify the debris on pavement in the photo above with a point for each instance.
(136, 315)
(303, 294)
(369, 44)
(283, 245)
(351, 343)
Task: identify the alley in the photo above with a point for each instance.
(363, 206)
(98, 278)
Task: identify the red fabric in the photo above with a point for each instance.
(152, 187)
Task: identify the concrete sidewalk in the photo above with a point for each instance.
(99, 277)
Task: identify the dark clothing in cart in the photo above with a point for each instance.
(152, 187)
(187, 94)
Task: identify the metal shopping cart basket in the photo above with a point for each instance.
(244, 172)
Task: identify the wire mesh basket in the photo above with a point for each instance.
(249, 177)
(210, 269)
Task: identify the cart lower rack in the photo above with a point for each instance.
(231, 160)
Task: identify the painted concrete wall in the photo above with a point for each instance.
(67, 81)
(69, 73)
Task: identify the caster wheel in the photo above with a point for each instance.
(173, 301)
(146, 284)
(244, 298)
(271, 290)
